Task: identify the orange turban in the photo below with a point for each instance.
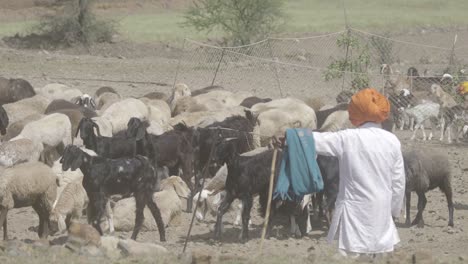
(368, 105)
(463, 89)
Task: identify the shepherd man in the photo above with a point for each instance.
(372, 178)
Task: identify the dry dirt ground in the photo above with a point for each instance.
(136, 69)
(443, 243)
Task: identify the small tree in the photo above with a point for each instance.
(243, 21)
(74, 23)
(357, 64)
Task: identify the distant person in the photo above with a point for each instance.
(372, 178)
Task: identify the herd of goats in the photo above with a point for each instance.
(66, 153)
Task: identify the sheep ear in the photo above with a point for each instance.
(76, 163)
(181, 189)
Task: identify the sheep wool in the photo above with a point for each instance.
(25, 182)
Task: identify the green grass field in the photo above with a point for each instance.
(303, 16)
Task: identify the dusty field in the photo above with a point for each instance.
(445, 244)
(136, 69)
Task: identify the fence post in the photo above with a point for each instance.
(178, 64)
(217, 67)
(452, 55)
(275, 69)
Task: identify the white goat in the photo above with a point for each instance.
(421, 113)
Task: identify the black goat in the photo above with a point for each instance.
(236, 126)
(4, 121)
(253, 100)
(421, 83)
(108, 147)
(248, 176)
(173, 149)
(105, 177)
(426, 170)
(329, 167)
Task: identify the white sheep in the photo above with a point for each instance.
(169, 201)
(18, 151)
(106, 99)
(23, 108)
(211, 101)
(52, 130)
(28, 184)
(15, 128)
(119, 113)
(68, 205)
(179, 90)
(276, 116)
(59, 91)
(206, 118)
(159, 110)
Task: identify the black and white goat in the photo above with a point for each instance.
(108, 147)
(125, 176)
(399, 102)
(86, 101)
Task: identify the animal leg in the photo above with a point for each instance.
(247, 202)
(449, 137)
(139, 216)
(421, 205)
(442, 127)
(414, 132)
(408, 207)
(187, 169)
(424, 132)
(110, 217)
(222, 209)
(3, 222)
(99, 208)
(157, 217)
(447, 189)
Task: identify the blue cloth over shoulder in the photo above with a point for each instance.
(299, 172)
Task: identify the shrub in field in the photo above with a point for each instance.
(73, 24)
(243, 21)
(357, 62)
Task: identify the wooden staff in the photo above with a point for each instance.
(270, 194)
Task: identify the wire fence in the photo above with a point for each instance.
(325, 65)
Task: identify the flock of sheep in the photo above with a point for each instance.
(64, 153)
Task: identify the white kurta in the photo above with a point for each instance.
(371, 190)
